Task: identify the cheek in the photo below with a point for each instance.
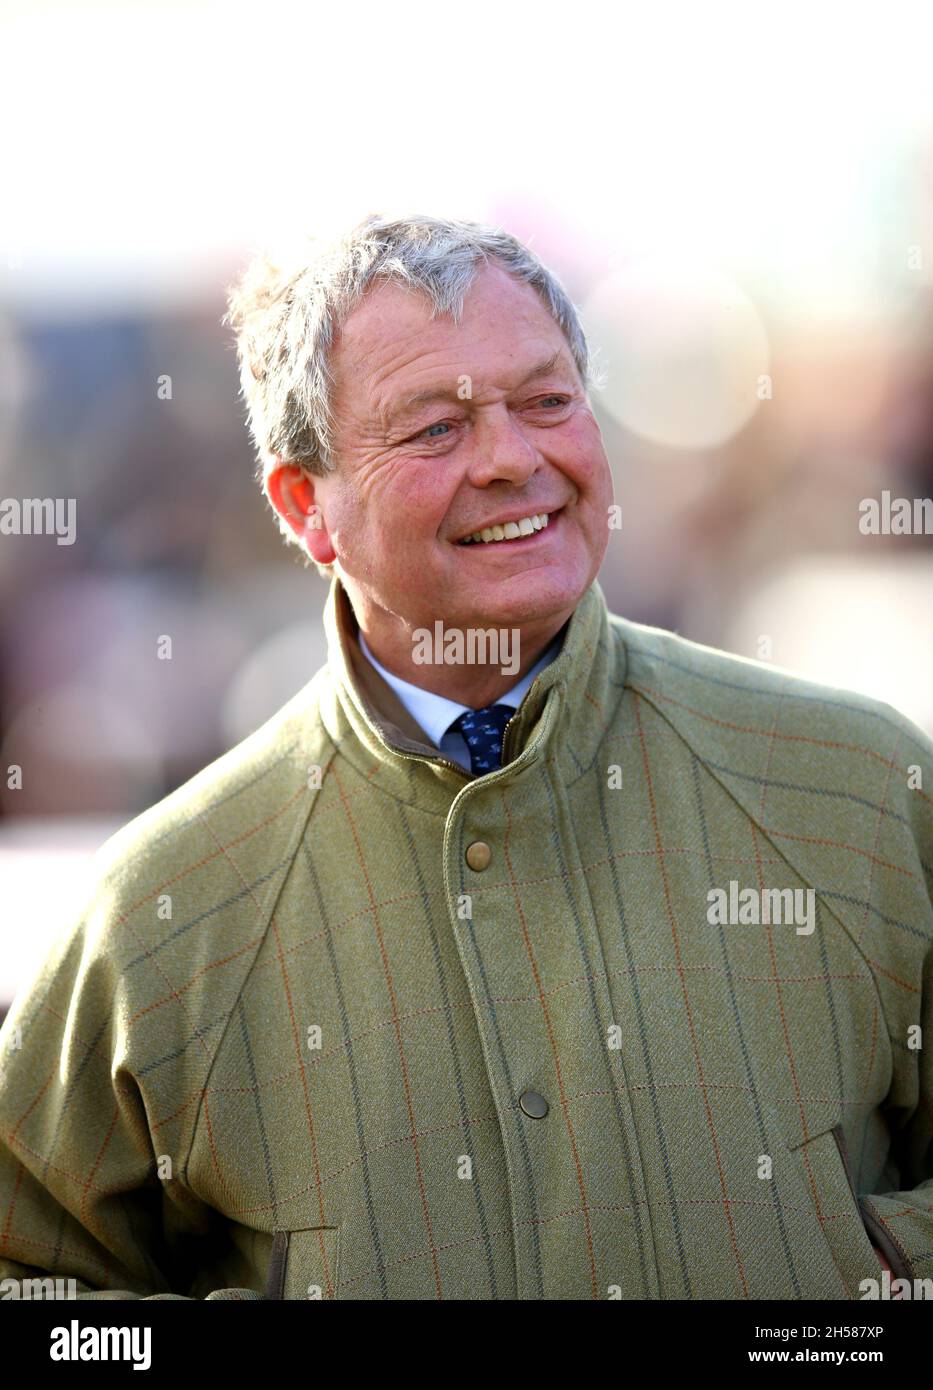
(583, 458)
(422, 497)
(399, 500)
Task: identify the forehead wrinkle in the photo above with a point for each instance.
(380, 389)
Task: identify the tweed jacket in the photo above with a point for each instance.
(340, 1020)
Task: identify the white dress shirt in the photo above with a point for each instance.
(435, 714)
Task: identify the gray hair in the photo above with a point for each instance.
(286, 318)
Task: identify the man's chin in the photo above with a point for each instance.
(521, 600)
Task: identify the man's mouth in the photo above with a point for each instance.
(518, 529)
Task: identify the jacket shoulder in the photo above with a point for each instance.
(840, 784)
(818, 761)
(258, 775)
(217, 847)
(711, 695)
(175, 907)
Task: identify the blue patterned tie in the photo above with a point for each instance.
(483, 729)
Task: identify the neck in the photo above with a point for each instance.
(475, 671)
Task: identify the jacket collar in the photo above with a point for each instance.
(562, 716)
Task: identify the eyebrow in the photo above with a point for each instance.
(405, 407)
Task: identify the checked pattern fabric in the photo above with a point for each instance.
(289, 1044)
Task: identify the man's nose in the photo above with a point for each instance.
(501, 450)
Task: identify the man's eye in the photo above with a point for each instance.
(446, 426)
(426, 435)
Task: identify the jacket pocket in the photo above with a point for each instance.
(826, 1167)
(303, 1263)
(877, 1233)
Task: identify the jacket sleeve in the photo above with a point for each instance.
(81, 1194)
(900, 1222)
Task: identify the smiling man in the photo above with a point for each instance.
(473, 486)
(419, 992)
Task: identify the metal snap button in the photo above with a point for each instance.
(478, 855)
(533, 1105)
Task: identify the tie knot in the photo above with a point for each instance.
(482, 730)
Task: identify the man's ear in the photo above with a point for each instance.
(291, 491)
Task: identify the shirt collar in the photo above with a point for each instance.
(435, 713)
(562, 718)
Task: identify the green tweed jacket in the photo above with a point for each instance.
(340, 1020)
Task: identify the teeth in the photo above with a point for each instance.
(512, 529)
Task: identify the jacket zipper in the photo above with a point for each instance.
(446, 762)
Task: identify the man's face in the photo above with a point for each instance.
(500, 444)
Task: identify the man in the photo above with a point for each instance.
(527, 952)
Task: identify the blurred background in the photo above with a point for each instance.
(740, 203)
